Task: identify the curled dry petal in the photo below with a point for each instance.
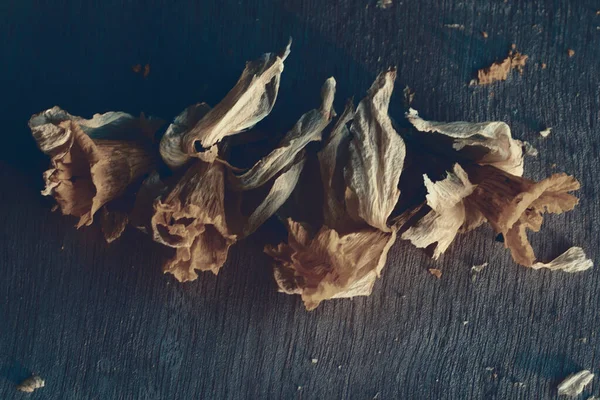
(512, 204)
(191, 218)
(447, 215)
(332, 159)
(170, 144)
(87, 173)
(250, 100)
(308, 128)
(328, 265)
(377, 155)
(487, 143)
(572, 260)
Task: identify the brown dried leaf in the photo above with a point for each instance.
(499, 71)
(447, 214)
(327, 265)
(191, 218)
(572, 260)
(309, 128)
(250, 100)
(512, 204)
(486, 143)
(376, 157)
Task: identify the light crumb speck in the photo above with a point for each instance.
(314, 360)
(571, 52)
(546, 132)
(384, 4)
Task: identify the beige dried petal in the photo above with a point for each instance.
(248, 102)
(486, 143)
(191, 218)
(447, 215)
(512, 204)
(572, 260)
(377, 155)
(327, 265)
(332, 159)
(574, 384)
(170, 145)
(307, 129)
(86, 174)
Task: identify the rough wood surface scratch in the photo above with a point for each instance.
(101, 321)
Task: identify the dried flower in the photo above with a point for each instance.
(250, 100)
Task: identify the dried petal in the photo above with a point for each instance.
(513, 204)
(327, 265)
(499, 71)
(113, 223)
(87, 173)
(572, 260)
(307, 129)
(447, 215)
(332, 159)
(170, 144)
(191, 218)
(574, 384)
(486, 143)
(250, 100)
(376, 157)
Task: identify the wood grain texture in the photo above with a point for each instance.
(99, 321)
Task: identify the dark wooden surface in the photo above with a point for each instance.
(101, 321)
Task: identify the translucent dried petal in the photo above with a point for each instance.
(486, 143)
(250, 100)
(191, 218)
(447, 215)
(376, 157)
(572, 260)
(171, 149)
(309, 128)
(326, 265)
(513, 204)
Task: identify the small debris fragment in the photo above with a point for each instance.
(465, 323)
(530, 150)
(299, 388)
(500, 70)
(489, 368)
(484, 34)
(435, 272)
(572, 260)
(582, 340)
(544, 65)
(339, 367)
(455, 26)
(571, 52)
(519, 384)
(30, 384)
(545, 132)
(314, 360)
(479, 268)
(146, 70)
(137, 68)
(384, 4)
(574, 384)
(409, 96)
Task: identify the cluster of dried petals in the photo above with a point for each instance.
(345, 256)
(93, 162)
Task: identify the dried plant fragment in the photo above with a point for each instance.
(546, 132)
(500, 70)
(479, 268)
(486, 143)
(447, 215)
(113, 224)
(170, 145)
(384, 4)
(435, 272)
(377, 155)
(248, 102)
(137, 68)
(512, 205)
(146, 70)
(87, 172)
(574, 384)
(328, 265)
(309, 128)
(191, 218)
(572, 260)
(31, 384)
(571, 52)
